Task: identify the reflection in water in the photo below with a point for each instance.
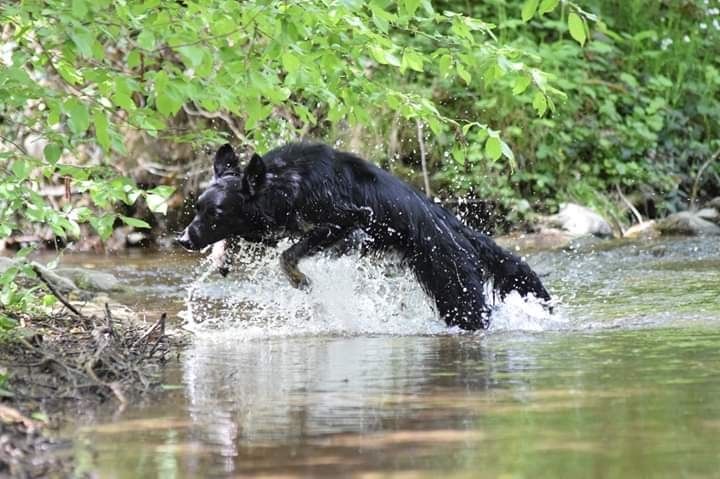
(285, 389)
(623, 382)
(548, 405)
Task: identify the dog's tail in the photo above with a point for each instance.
(508, 271)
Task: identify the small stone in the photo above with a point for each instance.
(658, 251)
(644, 230)
(545, 239)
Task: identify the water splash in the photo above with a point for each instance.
(349, 295)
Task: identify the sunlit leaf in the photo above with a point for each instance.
(576, 25)
(547, 6)
(134, 222)
(528, 9)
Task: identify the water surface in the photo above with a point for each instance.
(357, 377)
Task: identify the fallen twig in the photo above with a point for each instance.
(160, 336)
(160, 322)
(56, 293)
(108, 319)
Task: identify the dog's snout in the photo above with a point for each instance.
(184, 240)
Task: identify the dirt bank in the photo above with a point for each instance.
(80, 356)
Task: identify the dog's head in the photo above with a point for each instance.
(228, 207)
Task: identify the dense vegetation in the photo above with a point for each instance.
(642, 113)
(107, 107)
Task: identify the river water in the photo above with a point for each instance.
(357, 377)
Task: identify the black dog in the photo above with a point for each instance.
(323, 196)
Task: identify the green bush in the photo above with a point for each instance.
(641, 114)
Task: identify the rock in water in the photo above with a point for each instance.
(709, 214)
(644, 230)
(545, 239)
(714, 203)
(687, 223)
(61, 283)
(580, 221)
(89, 280)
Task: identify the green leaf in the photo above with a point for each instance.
(156, 203)
(444, 65)
(69, 73)
(146, 40)
(48, 300)
(25, 252)
(493, 147)
(133, 59)
(78, 116)
(576, 25)
(192, 55)
(167, 104)
(103, 225)
(411, 6)
(412, 59)
(383, 56)
(102, 129)
(124, 101)
(21, 168)
(463, 73)
(508, 153)
(134, 222)
(458, 154)
(290, 62)
(84, 41)
(540, 103)
(163, 191)
(79, 8)
(52, 152)
(528, 9)
(521, 84)
(547, 6)
(5, 230)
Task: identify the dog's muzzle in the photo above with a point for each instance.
(185, 241)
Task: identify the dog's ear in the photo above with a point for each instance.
(226, 162)
(254, 175)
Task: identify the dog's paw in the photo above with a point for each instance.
(299, 280)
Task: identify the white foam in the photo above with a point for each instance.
(349, 295)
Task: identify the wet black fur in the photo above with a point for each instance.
(322, 196)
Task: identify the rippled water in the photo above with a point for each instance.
(357, 376)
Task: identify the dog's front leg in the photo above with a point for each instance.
(311, 243)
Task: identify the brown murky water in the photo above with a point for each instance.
(624, 381)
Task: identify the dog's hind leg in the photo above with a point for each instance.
(311, 243)
(509, 272)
